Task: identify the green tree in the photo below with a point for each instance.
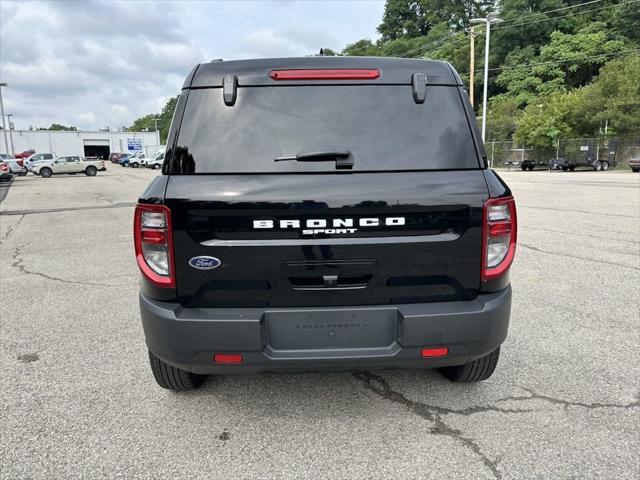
(503, 114)
(148, 122)
(547, 119)
(613, 97)
(59, 127)
(415, 18)
(571, 60)
(362, 48)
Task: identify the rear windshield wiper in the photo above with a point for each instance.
(342, 158)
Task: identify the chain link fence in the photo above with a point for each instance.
(583, 151)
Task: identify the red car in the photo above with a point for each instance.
(634, 164)
(25, 154)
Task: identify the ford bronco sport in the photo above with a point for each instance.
(327, 213)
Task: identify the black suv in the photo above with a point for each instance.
(324, 213)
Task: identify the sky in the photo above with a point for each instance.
(93, 64)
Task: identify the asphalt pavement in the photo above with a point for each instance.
(77, 398)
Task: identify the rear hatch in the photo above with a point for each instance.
(325, 193)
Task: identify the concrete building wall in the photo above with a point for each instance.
(73, 143)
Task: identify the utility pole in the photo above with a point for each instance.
(13, 150)
(4, 127)
(490, 19)
(472, 63)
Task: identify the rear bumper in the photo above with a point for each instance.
(188, 338)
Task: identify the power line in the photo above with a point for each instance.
(552, 11)
(570, 14)
(420, 47)
(526, 65)
(449, 35)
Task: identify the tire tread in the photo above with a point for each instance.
(173, 378)
(474, 371)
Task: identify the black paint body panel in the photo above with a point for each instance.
(434, 257)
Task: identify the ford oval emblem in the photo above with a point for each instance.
(205, 263)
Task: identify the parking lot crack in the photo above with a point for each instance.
(11, 229)
(568, 403)
(379, 386)
(565, 255)
(18, 263)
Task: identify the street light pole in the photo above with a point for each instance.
(491, 18)
(4, 126)
(472, 64)
(13, 150)
(155, 119)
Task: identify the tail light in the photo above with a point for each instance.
(326, 74)
(153, 239)
(500, 231)
(20, 162)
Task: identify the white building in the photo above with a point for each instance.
(80, 143)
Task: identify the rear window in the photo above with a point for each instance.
(381, 125)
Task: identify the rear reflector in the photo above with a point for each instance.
(227, 358)
(326, 74)
(435, 352)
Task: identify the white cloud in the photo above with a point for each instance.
(106, 63)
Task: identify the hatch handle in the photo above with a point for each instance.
(419, 87)
(230, 89)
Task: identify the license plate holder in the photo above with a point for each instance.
(332, 329)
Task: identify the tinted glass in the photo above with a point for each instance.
(381, 125)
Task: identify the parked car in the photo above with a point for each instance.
(69, 164)
(113, 157)
(17, 166)
(136, 159)
(37, 158)
(5, 172)
(104, 167)
(25, 154)
(634, 164)
(155, 161)
(123, 159)
(324, 239)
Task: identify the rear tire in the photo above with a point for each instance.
(597, 167)
(156, 166)
(475, 371)
(173, 378)
(605, 166)
(46, 172)
(91, 171)
(134, 164)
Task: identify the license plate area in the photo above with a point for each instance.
(331, 329)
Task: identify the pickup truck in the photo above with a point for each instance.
(69, 165)
(324, 213)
